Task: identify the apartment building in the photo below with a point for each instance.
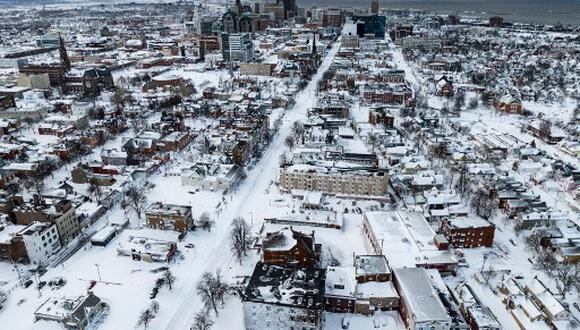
(468, 233)
(333, 180)
(61, 213)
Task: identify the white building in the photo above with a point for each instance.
(241, 47)
(421, 307)
(212, 177)
(41, 241)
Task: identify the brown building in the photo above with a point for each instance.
(12, 248)
(166, 80)
(208, 44)
(496, 21)
(333, 17)
(88, 82)
(62, 213)
(176, 141)
(7, 101)
(509, 104)
(288, 247)
(169, 217)
(56, 72)
(468, 233)
(257, 69)
(381, 116)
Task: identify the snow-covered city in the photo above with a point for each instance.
(273, 164)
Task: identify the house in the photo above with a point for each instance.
(468, 232)
(522, 306)
(288, 247)
(529, 220)
(421, 307)
(479, 316)
(147, 249)
(212, 177)
(72, 313)
(509, 104)
(444, 87)
(543, 298)
(286, 298)
(169, 217)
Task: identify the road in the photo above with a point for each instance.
(246, 201)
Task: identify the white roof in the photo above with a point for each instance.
(420, 296)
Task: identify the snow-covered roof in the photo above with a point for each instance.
(419, 295)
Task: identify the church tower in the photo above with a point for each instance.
(64, 60)
(375, 7)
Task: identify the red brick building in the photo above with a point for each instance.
(288, 247)
(468, 233)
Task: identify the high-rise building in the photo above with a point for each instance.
(375, 7)
(237, 47)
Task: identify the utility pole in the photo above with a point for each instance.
(98, 272)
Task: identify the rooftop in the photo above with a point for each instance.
(296, 287)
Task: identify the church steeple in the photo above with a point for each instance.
(239, 8)
(314, 43)
(64, 60)
(375, 7)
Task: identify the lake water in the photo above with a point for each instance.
(529, 11)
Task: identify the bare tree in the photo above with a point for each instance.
(277, 124)
(211, 290)
(297, 128)
(545, 129)
(473, 103)
(202, 321)
(463, 182)
(148, 314)
(483, 204)
(95, 190)
(136, 198)
(459, 102)
(373, 140)
(138, 124)
(566, 274)
(240, 238)
(289, 141)
(534, 242)
(169, 279)
(118, 98)
(36, 186)
(205, 221)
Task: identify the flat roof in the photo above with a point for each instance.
(421, 298)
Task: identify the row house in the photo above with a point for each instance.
(387, 94)
(175, 141)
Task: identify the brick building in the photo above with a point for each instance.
(468, 233)
(169, 217)
(288, 247)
